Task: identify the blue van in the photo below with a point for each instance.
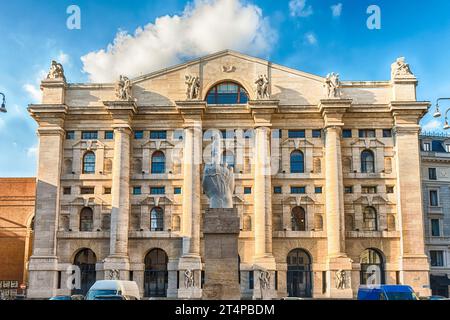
(386, 292)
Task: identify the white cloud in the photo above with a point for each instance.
(34, 92)
(298, 8)
(32, 151)
(432, 125)
(336, 10)
(206, 26)
(63, 57)
(311, 38)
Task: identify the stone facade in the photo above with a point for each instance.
(17, 197)
(326, 184)
(436, 205)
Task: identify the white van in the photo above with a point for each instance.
(101, 290)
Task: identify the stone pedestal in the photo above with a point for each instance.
(334, 266)
(221, 232)
(116, 267)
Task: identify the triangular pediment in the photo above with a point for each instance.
(367, 143)
(164, 87)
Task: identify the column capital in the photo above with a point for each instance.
(408, 112)
(122, 112)
(49, 115)
(333, 111)
(262, 111)
(192, 111)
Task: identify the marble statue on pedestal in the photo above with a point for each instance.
(56, 71)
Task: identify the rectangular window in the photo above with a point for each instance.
(437, 258)
(434, 198)
(347, 133)
(447, 147)
(87, 190)
(177, 190)
(138, 135)
(157, 190)
(107, 190)
(89, 135)
(435, 228)
(109, 135)
(369, 189)
(296, 134)
(387, 133)
(324, 281)
(427, 146)
(367, 133)
(277, 190)
(158, 135)
(137, 190)
(389, 189)
(247, 190)
(58, 285)
(432, 174)
(298, 190)
(70, 135)
(318, 189)
(348, 189)
(67, 190)
(250, 280)
(317, 133)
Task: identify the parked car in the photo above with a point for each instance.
(434, 298)
(61, 298)
(127, 289)
(386, 292)
(110, 298)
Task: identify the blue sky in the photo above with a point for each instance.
(300, 34)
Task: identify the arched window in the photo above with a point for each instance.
(156, 275)
(158, 163)
(372, 267)
(298, 219)
(367, 162)
(297, 162)
(157, 219)
(370, 219)
(318, 222)
(89, 163)
(228, 158)
(85, 259)
(227, 93)
(86, 220)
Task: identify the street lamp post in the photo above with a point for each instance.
(3, 107)
(437, 113)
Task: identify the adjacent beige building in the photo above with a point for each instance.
(327, 174)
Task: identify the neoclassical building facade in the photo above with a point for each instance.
(327, 177)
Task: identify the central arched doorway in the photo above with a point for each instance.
(156, 275)
(85, 259)
(372, 267)
(299, 282)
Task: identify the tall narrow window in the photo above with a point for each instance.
(434, 201)
(432, 174)
(297, 162)
(158, 163)
(435, 228)
(86, 220)
(89, 163)
(367, 162)
(370, 219)
(298, 218)
(157, 219)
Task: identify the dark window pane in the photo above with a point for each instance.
(298, 190)
(157, 219)
(137, 190)
(177, 190)
(158, 163)
(317, 133)
(157, 190)
(293, 134)
(434, 198)
(227, 93)
(297, 162)
(247, 190)
(318, 189)
(367, 133)
(387, 133)
(158, 135)
(347, 133)
(89, 163)
(435, 229)
(70, 135)
(89, 135)
(367, 162)
(138, 135)
(432, 173)
(277, 190)
(109, 135)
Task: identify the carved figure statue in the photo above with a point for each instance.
(264, 280)
(56, 71)
(124, 89)
(341, 279)
(188, 279)
(114, 274)
(192, 87)
(333, 84)
(262, 87)
(400, 68)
